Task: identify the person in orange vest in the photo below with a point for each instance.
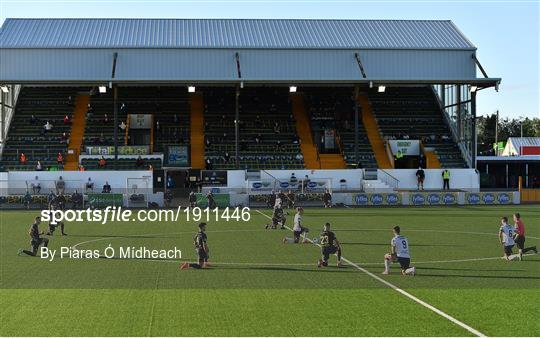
(59, 158)
(23, 158)
(102, 162)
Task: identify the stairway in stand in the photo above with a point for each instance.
(78, 124)
(197, 131)
(432, 160)
(303, 130)
(372, 130)
(332, 161)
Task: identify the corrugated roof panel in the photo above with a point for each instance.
(231, 33)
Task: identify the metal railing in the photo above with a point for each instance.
(387, 178)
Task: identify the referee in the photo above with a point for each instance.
(520, 236)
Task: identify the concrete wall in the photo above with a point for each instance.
(463, 179)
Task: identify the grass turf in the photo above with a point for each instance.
(259, 286)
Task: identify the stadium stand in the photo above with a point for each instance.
(36, 106)
(334, 108)
(267, 129)
(412, 112)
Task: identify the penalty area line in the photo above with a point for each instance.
(401, 291)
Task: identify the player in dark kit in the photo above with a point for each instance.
(327, 199)
(201, 247)
(291, 199)
(211, 201)
(278, 218)
(329, 245)
(192, 200)
(35, 238)
(53, 226)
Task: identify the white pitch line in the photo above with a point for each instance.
(403, 292)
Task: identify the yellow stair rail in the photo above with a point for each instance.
(78, 124)
(303, 130)
(197, 130)
(372, 130)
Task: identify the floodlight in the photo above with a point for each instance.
(382, 89)
(191, 89)
(102, 89)
(474, 89)
(4, 88)
(292, 89)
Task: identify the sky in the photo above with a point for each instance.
(506, 33)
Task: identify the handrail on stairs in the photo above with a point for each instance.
(388, 178)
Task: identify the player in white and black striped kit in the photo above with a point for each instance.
(506, 237)
(399, 253)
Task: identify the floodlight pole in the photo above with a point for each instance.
(356, 155)
(3, 116)
(236, 125)
(115, 114)
(474, 136)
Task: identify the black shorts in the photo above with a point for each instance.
(520, 241)
(405, 263)
(327, 251)
(203, 256)
(298, 233)
(508, 249)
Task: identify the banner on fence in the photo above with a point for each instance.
(222, 200)
(489, 198)
(378, 199)
(433, 198)
(105, 200)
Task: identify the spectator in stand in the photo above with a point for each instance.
(122, 126)
(224, 138)
(47, 127)
(122, 107)
(158, 127)
(81, 167)
(207, 142)
(102, 162)
(39, 167)
(59, 159)
(277, 127)
(60, 186)
(227, 157)
(76, 200)
(23, 159)
(420, 176)
(101, 139)
(33, 120)
(299, 157)
(36, 186)
(258, 139)
(150, 167)
(278, 145)
(89, 112)
(140, 161)
(89, 185)
(175, 118)
(293, 180)
(295, 139)
(208, 164)
(66, 120)
(106, 119)
(64, 138)
(106, 188)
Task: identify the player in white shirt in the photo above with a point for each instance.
(399, 253)
(298, 229)
(506, 237)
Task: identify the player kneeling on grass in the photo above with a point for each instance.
(201, 247)
(329, 245)
(298, 229)
(35, 238)
(278, 218)
(506, 237)
(399, 253)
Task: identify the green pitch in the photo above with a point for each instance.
(259, 286)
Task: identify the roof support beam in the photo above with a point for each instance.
(113, 73)
(480, 66)
(360, 65)
(238, 70)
